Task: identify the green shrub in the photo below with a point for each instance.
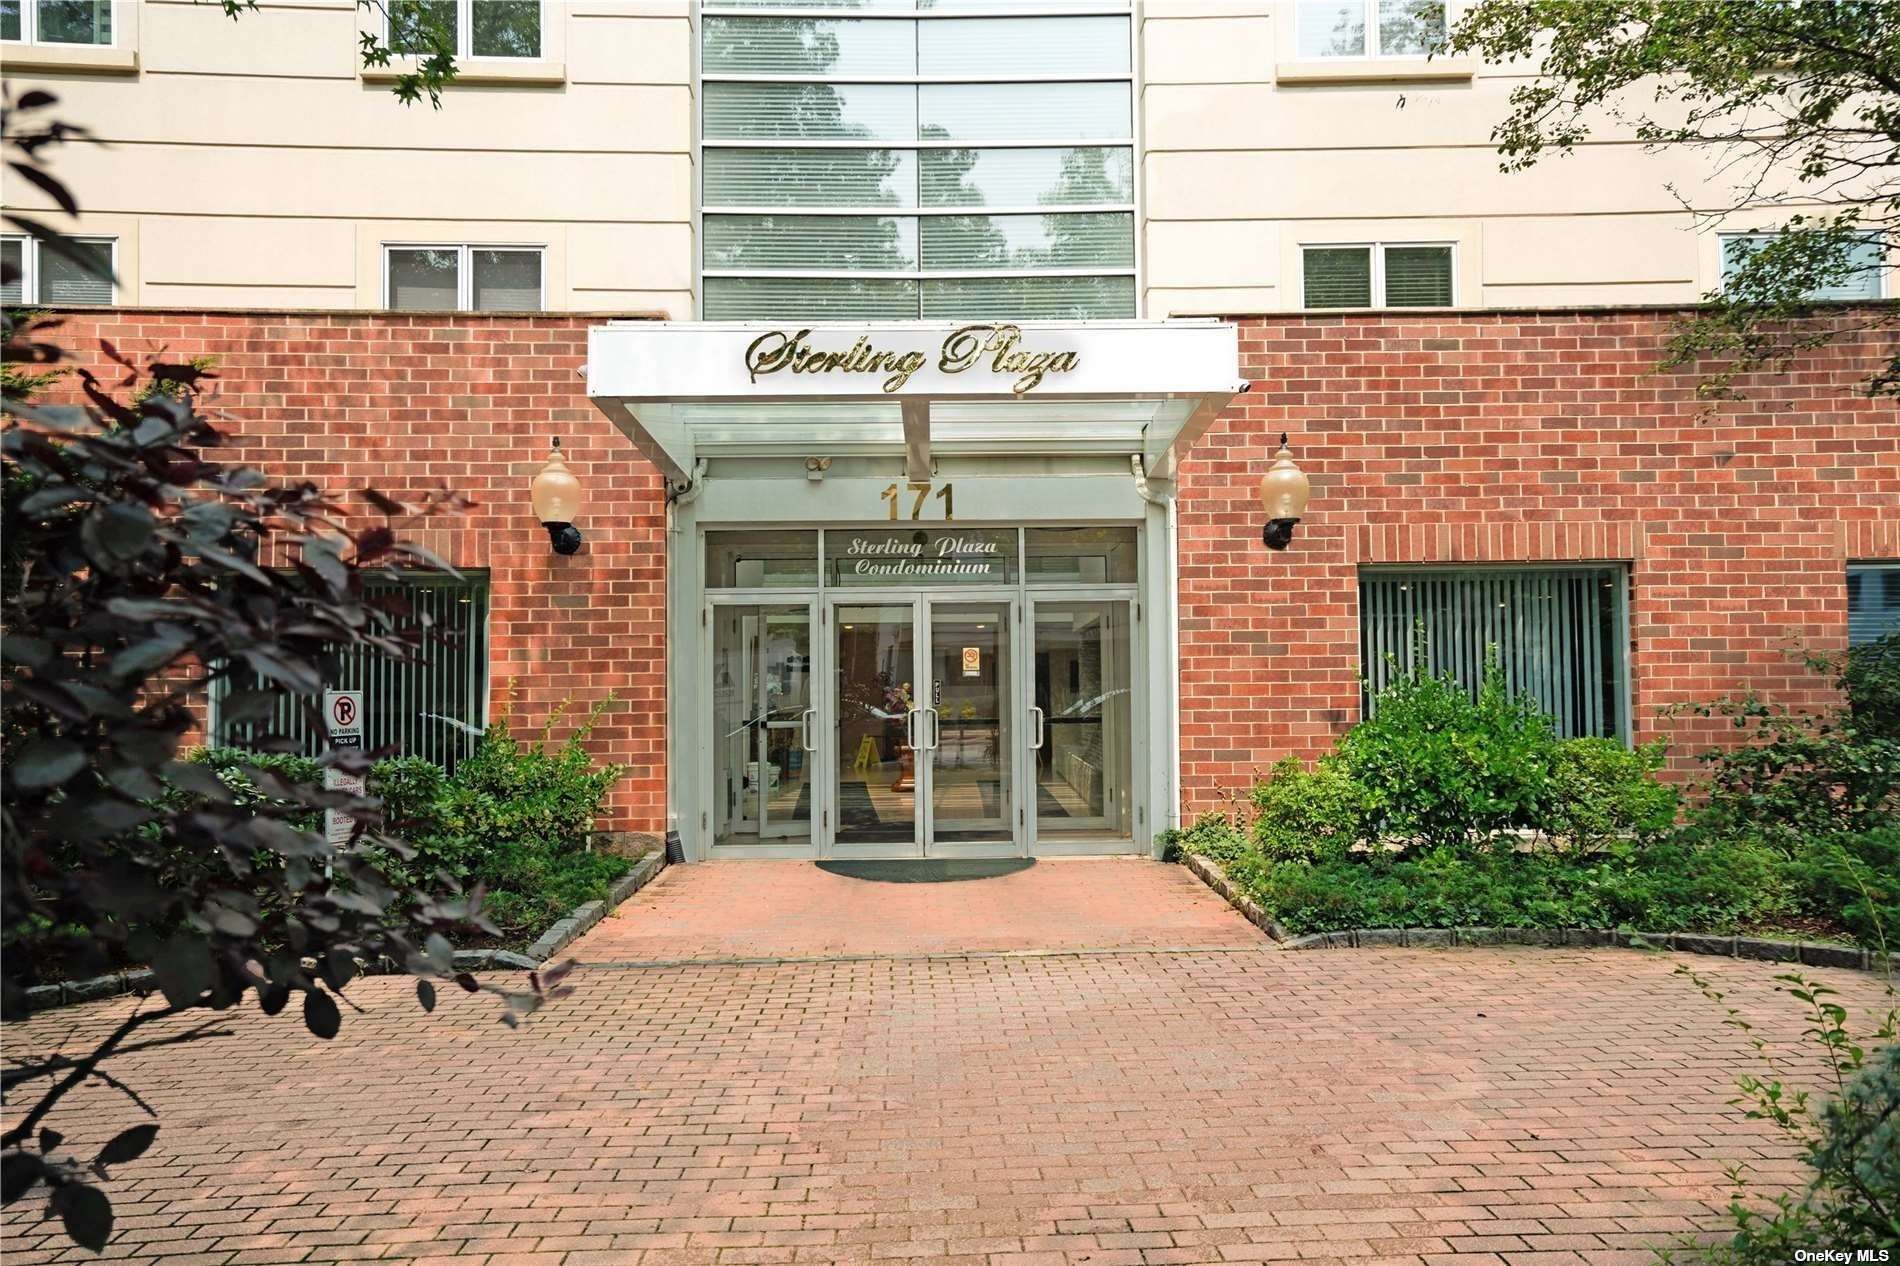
(1869, 675)
(411, 789)
(1439, 768)
(229, 764)
(1851, 878)
(1307, 815)
(1599, 790)
(533, 886)
(1213, 836)
(1798, 775)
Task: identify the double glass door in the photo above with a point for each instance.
(925, 728)
(906, 726)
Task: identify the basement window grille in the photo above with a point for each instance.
(435, 707)
(1558, 633)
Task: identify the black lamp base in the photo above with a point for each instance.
(564, 537)
(1278, 533)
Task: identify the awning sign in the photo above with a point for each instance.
(343, 719)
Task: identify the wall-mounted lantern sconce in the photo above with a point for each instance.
(1283, 491)
(557, 502)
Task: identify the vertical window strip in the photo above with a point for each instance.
(1554, 633)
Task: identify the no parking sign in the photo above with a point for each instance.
(343, 718)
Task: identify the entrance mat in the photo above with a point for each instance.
(927, 870)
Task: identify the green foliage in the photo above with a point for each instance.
(1212, 835)
(1798, 775)
(1308, 815)
(1869, 676)
(1850, 1141)
(1599, 790)
(1853, 879)
(1691, 73)
(1439, 768)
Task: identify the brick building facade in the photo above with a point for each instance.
(1431, 438)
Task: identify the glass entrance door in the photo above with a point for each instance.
(764, 725)
(970, 730)
(926, 741)
(1082, 712)
(878, 730)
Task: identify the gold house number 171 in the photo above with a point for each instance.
(892, 493)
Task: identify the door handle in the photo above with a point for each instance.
(804, 729)
(1040, 722)
(910, 728)
(936, 728)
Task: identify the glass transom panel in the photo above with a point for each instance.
(966, 128)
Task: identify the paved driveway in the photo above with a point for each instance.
(1083, 1104)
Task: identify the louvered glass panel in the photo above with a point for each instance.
(13, 270)
(434, 707)
(970, 242)
(1027, 177)
(506, 281)
(1873, 602)
(1030, 298)
(81, 275)
(820, 48)
(844, 112)
(811, 177)
(1338, 276)
(858, 243)
(1027, 112)
(814, 298)
(1554, 632)
(1039, 46)
(1417, 277)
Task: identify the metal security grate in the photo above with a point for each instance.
(1557, 633)
(435, 708)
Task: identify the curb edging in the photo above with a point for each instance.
(141, 980)
(583, 917)
(1763, 949)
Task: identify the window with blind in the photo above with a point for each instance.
(1377, 275)
(435, 707)
(905, 161)
(80, 271)
(1860, 274)
(1557, 633)
(1873, 602)
(462, 279)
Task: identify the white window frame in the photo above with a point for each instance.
(30, 30)
(465, 36)
(1373, 51)
(30, 266)
(1721, 265)
(465, 270)
(1378, 250)
(920, 276)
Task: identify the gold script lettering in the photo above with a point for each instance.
(964, 349)
(966, 346)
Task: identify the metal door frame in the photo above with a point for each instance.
(1128, 597)
(812, 741)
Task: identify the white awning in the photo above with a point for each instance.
(684, 391)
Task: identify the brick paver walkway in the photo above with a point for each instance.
(796, 910)
(1221, 1104)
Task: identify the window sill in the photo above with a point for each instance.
(524, 72)
(1362, 70)
(70, 58)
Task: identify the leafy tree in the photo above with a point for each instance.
(1793, 104)
(138, 567)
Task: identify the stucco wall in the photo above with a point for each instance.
(251, 163)
(1481, 438)
(408, 404)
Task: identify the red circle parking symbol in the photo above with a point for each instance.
(343, 711)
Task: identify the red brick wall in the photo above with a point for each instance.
(1508, 438)
(406, 404)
